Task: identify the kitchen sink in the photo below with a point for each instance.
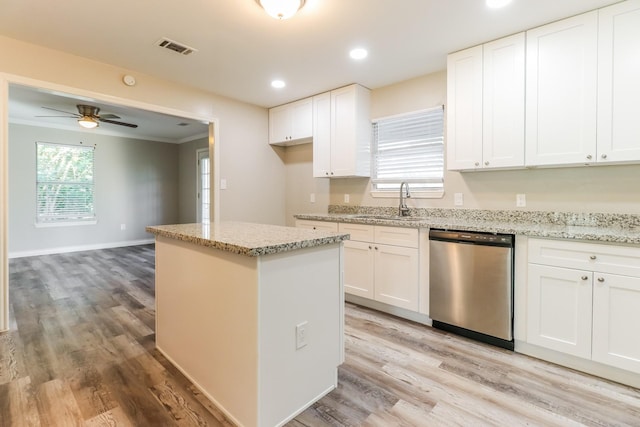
(387, 217)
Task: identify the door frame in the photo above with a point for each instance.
(8, 79)
(199, 151)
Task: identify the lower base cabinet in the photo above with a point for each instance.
(583, 299)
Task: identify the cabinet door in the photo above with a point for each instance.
(503, 103)
(618, 82)
(279, 124)
(616, 321)
(396, 276)
(464, 109)
(358, 268)
(343, 131)
(561, 90)
(302, 119)
(322, 135)
(559, 309)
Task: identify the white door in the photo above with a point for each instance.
(464, 109)
(302, 119)
(616, 321)
(343, 131)
(203, 186)
(396, 276)
(280, 124)
(358, 268)
(618, 82)
(561, 91)
(503, 103)
(559, 309)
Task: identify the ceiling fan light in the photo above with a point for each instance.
(281, 9)
(88, 122)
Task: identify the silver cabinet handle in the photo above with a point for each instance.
(589, 157)
(604, 156)
(593, 257)
(600, 279)
(585, 277)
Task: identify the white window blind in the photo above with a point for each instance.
(64, 183)
(409, 147)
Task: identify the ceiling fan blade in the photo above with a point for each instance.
(113, 122)
(60, 111)
(109, 116)
(66, 117)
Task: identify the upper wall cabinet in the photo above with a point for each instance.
(342, 133)
(485, 112)
(619, 83)
(292, 123)
(561, 87)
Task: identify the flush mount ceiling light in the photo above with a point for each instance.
(496, 4)
(278, 84)
(88, 122)
(358, 53)
(281, 9)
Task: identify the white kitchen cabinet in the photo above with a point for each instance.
(561, 92)
(342, 133)
(559, 309)
(291, 123)
(616, 321)
(485, 105)
(317, 225)
(618, 83)
(583, 299)
(382, 263)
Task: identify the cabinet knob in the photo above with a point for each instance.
(486, 163)
(376, 248)
(593, 257)
(326, 173)
(585, 277)
(331, 173)
(589, 157)
(600, 279)
(604, 156)
(370, 247)
(477, 164)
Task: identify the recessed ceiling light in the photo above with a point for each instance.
(496, 4)
(278, 84)
(358, 53)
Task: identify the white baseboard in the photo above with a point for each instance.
(66, 249)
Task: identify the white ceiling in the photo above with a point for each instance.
(241, 49)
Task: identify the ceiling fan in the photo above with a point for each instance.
(89, 118)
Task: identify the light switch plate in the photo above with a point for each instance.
(521, 200)
(312, 197)
(458, 199)
(346, 198)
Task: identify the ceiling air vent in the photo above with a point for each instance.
(173, 45)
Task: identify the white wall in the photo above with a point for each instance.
(609, 189)
(136, 184)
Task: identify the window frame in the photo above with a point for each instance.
(393, 193)
(42, 221)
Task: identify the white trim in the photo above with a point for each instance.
(5, 80)
(193, 137)
(64, 223)
(199, 152)
(67, 249)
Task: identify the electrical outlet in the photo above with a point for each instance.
(223, 184)
(346, 198)
(312, 197)
(123, 227)
(458, 199)
(521, 200)
(301, 335)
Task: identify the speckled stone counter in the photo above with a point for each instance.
(248, 239)
(613, 228)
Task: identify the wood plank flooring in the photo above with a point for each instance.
(81, 352)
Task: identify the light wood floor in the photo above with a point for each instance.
(81, 351)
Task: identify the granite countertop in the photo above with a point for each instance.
(610, 230)
(247, 239)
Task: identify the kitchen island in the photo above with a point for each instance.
(252, 314)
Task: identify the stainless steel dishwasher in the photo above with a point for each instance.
(471, 284)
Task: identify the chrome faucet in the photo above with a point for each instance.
(403, 210)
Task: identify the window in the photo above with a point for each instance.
(409, 147)
(64, 183)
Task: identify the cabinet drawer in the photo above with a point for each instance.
(622, 260)
(317, 225)
(397, 236)
(358, 232)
